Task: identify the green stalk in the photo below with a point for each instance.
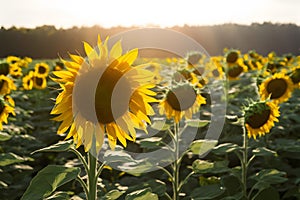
(176, 163)
(92, 178)
(244, 162)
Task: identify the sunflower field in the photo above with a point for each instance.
(58, 116)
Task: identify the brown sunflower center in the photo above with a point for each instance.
(257, 120)
(39, 81)
(235, 71)
(296, 76)
(232, 57)
(181, 98)
(112, 96)
(277, 87)
(41, 70)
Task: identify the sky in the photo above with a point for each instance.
(163, 13)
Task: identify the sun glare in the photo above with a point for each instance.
(164, 13)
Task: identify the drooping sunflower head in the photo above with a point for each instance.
(28, 81)
(260, 118)
(278, 87)
(4, 68)
(7, 105)
(6, 85)
(41, 69)
(181, 100)
(103, 94)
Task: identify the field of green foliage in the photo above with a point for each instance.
(261, 98)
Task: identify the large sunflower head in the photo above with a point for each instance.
(260, 118)
(7, 105)
(278, 87)
(103, 94)
(6, 85)
(41, 69)
(181, 100)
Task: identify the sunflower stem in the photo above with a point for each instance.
(92, 177)
(176, 163)
(81, 158)
(244, 162)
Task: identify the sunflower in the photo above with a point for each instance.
(6, 85)
(7, 105)
(234, 64)
(181, 100)
(295, 76)
(15, 71)
(279, 87)
(260, 118)
(234, 71)
(39, 82)
(12, 59)
(185, 75)
(28, 81)
(41, 69)
(103, 94)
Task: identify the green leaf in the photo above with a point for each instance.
(10, 158)
(144, 194)
(232, 184)
(150, 143)
(58, 147)
(113, 194)
(202, 146)
(197, 123)
(225, 148)
(202, 166)
(270, 176)
(59, 196)
(4, 136)
(269, 193)
(48, 180)
(207, 192)
(160, 125)
(263, 151)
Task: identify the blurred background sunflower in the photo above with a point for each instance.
(278, 87)
(181, 100)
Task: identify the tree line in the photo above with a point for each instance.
(48, 42)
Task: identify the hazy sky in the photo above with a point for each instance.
(68, 13)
